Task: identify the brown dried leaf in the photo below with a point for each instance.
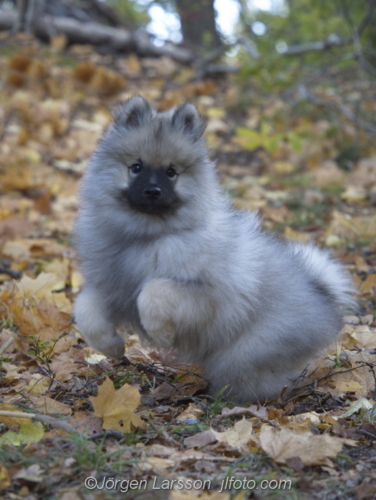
(191, 412)
(311, 449)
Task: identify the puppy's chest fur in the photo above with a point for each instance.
(138, 260)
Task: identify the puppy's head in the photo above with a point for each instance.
(154, 159)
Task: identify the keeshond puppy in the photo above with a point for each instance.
(164, 253)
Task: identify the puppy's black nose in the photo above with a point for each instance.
(152, 193)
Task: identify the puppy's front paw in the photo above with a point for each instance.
(155, 306)
(113, 347)
(96, 330)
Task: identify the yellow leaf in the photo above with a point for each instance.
(60, 268)
(116, 407)
(284, 167)
(4, 479)
(13, 423)
(296, 235)
(156, 464)
(76, 281)
(239, 436)
(308, 419)
(368, 285)
(59, 42)
(354, 194)
(38, 385)
(43, 287)
(28, 433)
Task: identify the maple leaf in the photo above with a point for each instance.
(116, 407)
(310, 448)
(42, 287)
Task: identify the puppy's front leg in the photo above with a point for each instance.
(94, 327)
(168, 308)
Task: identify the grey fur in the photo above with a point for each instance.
(201, 278)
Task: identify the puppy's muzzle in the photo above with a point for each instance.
(152, 193)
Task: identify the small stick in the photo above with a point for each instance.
(108, 434)
(5, 346)
(13, 274)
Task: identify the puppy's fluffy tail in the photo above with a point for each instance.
(328, 274)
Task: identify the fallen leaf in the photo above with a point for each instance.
(116, 407)
(4, 479)
(44, 404)
(253, 411)
(201, 439)
(28, 433)
(359, 380)
(237, 437)
(191, 413)
(13, 423)
(156, 464)
(368, 285)
(43, 287)
(310, 448)
(33, 473)
(360, 404)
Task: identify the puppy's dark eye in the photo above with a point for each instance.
(171, 173)
(136, 168)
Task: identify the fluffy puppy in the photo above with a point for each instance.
(163, 252)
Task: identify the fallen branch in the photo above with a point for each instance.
(54, 422)
(105, 37)
(328, 43)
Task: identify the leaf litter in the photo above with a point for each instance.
(146, 417)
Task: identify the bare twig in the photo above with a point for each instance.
(107, 434)
(366, 433)
(334, 40)
(331, 373)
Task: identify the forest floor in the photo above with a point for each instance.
(142, 424)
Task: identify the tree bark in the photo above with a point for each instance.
(198, 24)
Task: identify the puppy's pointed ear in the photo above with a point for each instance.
(133, 113)
(187, 119)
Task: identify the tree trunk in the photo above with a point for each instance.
(28, 13)
(198, 24)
